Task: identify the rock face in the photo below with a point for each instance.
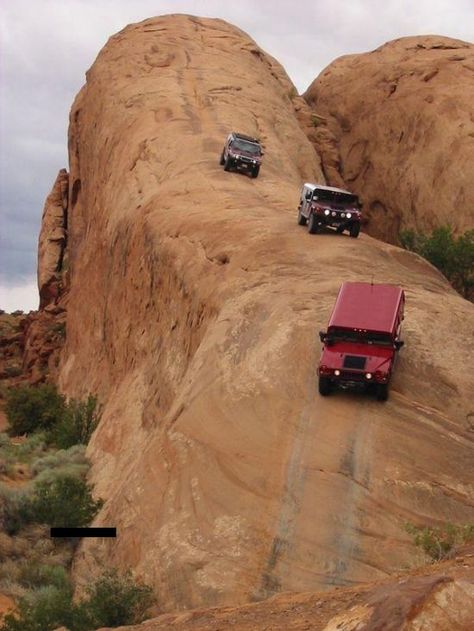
(436, 598)
(402, 115)
(52, 241)
(194, 302)
(30, 346)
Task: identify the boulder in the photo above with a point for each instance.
(402, 117)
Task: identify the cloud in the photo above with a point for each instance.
(24, 297)
(48, 46)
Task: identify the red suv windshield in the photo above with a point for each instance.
(359, 337)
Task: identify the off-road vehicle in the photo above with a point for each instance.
(242, 152)
(328, 206)
(362, 340)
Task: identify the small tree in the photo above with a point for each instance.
(33, 408)
(116, 600)
(66, 501)
(453, 256)
(77, 424)
(44, 610)
(112, 600)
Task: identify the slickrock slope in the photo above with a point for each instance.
(404, 121)
(435, 598)
(194, 303)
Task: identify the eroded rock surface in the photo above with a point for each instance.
(52, 241)
(402, 115)
(434, 598)
(194, 304)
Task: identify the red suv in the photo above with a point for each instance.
(362, 339)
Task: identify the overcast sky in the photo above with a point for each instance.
(47, 45)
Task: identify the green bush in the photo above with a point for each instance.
(453, 256)
(65, 502)
(42, 409)
(14, 509)
(116, 600)
(33, 408)
(44, 610)
(77, 424)
(438, 542)
(34, 574)
(112, 600)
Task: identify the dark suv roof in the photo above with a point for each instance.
(245, 137)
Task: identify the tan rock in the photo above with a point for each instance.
(194, 304)
(52, 241)
(433, 598)
(402, 116)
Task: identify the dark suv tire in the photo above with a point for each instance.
(313, 226)
(354, 230)
(222, 160)
(227, 164)
(254, 172)
(382, 391)
(302, 221)
(324, 386)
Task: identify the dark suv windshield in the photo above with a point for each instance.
(379, 339)
(250, 147)
(333, 197)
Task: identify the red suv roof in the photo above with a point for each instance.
(368, 307)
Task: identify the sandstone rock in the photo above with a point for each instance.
(434, 598)
(52, 241)
(43, 337)
(402, 116)
(194, 303)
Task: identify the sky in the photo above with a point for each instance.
(46, 46)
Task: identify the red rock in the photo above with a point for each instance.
(402, 117)
(52, 241)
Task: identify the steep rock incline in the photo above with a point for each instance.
(404, 120)
(194, 303)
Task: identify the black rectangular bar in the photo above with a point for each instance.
(83, 532)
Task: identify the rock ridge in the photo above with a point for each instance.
(192, 305)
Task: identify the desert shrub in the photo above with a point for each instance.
(34, 444)
(34, 574)
(77, 424)
(12, 371)
(115, 600)
(41, 409)
(9, 572)
(65, 502)
(6, 546)
(4, 440)
(14, 509)
(33, 408)
(60, 460)
(44, 609)
(438, 542)
(48, 476)
(453, 256)
(112, 600)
